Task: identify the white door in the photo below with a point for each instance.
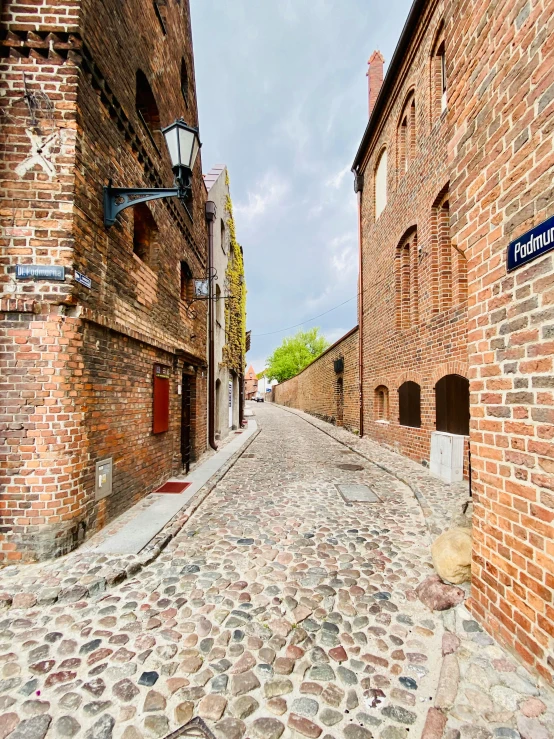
(230, 405)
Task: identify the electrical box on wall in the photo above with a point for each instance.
(103, 479)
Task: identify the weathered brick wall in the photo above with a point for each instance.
(413, 303)
(72, 355)
(317, 389)
(502, 119)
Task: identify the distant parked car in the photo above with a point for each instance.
(259, 398)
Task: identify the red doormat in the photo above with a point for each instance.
(173, 487)
(238, 432)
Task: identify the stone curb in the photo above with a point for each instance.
(92, 585)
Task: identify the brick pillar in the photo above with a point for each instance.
(374, 77)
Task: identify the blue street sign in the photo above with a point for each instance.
(39, 272)
(83, 279)
(531, 245)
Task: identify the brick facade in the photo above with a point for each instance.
(77, 363)
(413, 284)
(502, 160)
(326, 391)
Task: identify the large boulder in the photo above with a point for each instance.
(437, 595)
(451, 553)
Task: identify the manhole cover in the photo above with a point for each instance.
(350, 467)
(356, 493)
(195, 728)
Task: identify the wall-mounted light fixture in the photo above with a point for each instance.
(183, 144)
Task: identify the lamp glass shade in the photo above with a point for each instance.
(182, 143)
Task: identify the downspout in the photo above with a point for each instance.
(358, 186)
(210, 211)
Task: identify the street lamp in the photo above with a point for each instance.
(183, 144)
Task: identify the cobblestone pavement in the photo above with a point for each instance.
(277, 610)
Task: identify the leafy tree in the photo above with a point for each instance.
(295, 353)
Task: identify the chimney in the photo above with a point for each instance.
(374, 77)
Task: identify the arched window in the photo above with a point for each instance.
(409, 404)
(452, 404)
(381, 403)
(406, 143)
(406, 278)
(184, 82)
(147, 110)
(438, 76)
(145, 234)
(223, 237)
(381, 184)
(187, 292)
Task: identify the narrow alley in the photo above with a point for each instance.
(279, 609)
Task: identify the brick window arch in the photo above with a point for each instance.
(439, 91)
(449, 269)
(406, 279)
(409, 404)
(145, 234)
(452, 404)
(380, 180)
(381, 403)
(406, 135)
(147, 109)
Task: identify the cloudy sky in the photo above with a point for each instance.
(282, 93)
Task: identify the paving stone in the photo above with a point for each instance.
(156, 726)
(278, 706)
(303, 726)
(154, 701)
(279, 686)
(305, 707)
(332, 695)
(8, 722)
(397, 713)
(267, 728)
(321, 672)
(329, 717)
(352, 731)
(66, 726)
(32, 728)
(244, 683)
(244, 706)
(212, 707)
(184, 712)
(230, 728)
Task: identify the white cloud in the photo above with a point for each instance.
(269, 193)
(344, 254)
(335, 180)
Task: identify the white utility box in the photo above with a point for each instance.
(447, 456)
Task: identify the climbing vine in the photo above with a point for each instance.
(235, 307)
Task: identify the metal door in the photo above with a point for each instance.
(186, 421)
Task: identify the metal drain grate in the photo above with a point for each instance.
(356, 493)
(351, 467)
(249, 456)
(195, 728)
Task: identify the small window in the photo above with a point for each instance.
(442, 57)
(381, 184)
(438, 76)
(220, 306)
(406, 279)
(147, 110)
(223, 237)
(145, 234)
(452, 404)
(407, 135)
(187, 287)
(184, 82)
(381, 403)
(409, 404)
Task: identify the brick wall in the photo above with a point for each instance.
(502, 119)
(321, 391)
(80, 361)
(413, 289)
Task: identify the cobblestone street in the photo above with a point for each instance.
(279, 609)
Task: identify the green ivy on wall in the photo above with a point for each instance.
(234, 350)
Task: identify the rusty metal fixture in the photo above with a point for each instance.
(194, 728)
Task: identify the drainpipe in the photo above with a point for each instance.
(358, 186)
(210, 211)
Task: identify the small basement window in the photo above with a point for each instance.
(187, 283)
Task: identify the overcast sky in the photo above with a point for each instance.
(282, 95)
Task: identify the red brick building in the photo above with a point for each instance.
(501, 119)
(461, 134)
(413, 281)
(86, 87)
(250, 383)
